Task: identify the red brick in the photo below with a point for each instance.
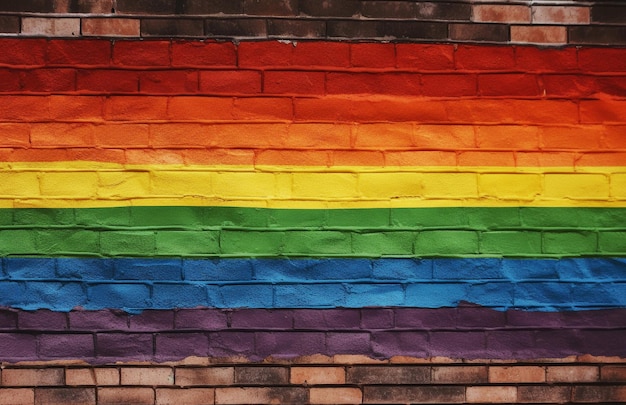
(452, 85)
(205, 376)
(318, 375)
(191, 396)
(141, 53)
(254, 108)
(517, 374)
(309, 54)
(262, 54)
(168, 81)
(125, 395)
(14, 135)
(602, 59)
(200, 108)
(62, 135)
(501, 13)
(147, 376)
(110, 27)
(425, 57)
(130, 108)
(281, 82)
(121, 135)
(73, 108)
(230, 82)
(65, 396)
(539, 34)
(373, 55)
(49, 80)
(336, 395)
(17, 396)
(532, 58)
(510, 137)
(602, 111)
(613, 137)
(374, 83)
(32, 377)
(613, 373)
(19, 52)
(200, 53)
(484, 57)
(9, 80)
(79, 52)
(126, 81)
(508, 84)
(491, 394)
(24, 108)
(579, 137)
(560, 15)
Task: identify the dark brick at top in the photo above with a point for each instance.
(609, 14)
(419, 10)
(147, 6)
(35, 6)
(330, 8)
(271, 7)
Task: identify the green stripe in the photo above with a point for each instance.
(236, 231)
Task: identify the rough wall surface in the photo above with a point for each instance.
(375, 209)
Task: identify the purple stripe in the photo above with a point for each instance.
(468, 332)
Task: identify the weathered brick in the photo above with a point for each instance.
(62, 396)
(355, 29)
(126, 395)
(479, 32)
(190, 396)
(543, 394)
(318, 375)
(413, 394)
(86, 6)
(612, 14)
(17, 396)
(252, 395)
(110, 27)
(296, 28)
(501, 13)
(92, 376)
(388, 375)
(270, 7)
(523, 374)
(331, 8)
(491, 394)
(58, 27)
(460, 374)
(205, 376)
(560, 15)
(599, 394)
(415, 30)
(235, 27)
(573, 374)
(146, 376)
(336, 395)
(211, 7)
(9, 24)
(179, 27)
(146, 6)
(539, 34)
(597, 34)
(32, 377)
(613, 373)
(262, 375)
(37, 6)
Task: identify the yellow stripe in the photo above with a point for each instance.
(88, 184)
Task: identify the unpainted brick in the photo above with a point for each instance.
(263, 395)
(539, 34)
(205, 376)
(110, 27)
(486, 394)
(147, 376)
(33, 377)
(58, 27)
(65, 396)
(572, 374)
(17, 396)
(318, 375)
(92, 376)
(501, 13)
(190, 396)
(126, 395)
(460, 374)
(388, 375)
(413, 394)
(336, 395)
(262, 375)
(613, 373)
(543, 394)
(521, 374)
(560, 15)
(9, 24)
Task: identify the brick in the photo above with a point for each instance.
(252, 108)
(110, 27)
(74, 345)
(129, 108)
(86, 7)
(583, 186)
(202, 54)
(454, 85)
(14, 135)
(23, 51)
(338, 395)
(212, 7)
(146, 6)
(191, 396)
(398, 394)
(149, 376)
(49, 80)
(460, 374)
(168, 81)
(144, 53)
(317, 375)
(270, 7)
(491, 394)
(9, 24)
(230, 82)
(372, 55)
(373, 83)
(388, 375)
(320, 53)
(388, 9)
(179, 27)
(39, 6)
(33, 377)
(611, 14)
(17, 396)
(332, 8)
(531, 58)
(474, 57)
(613, 373)
(538, 34)
(517, 374)
(78, 52)
(177, 345)
(596, 34)
(602, 59)
(508, 14)
(295, 28)
(355, 29)
(42, 319)
(60, 396)
(199, 108)
(573, 374)
(598, 394)
(125, 395)
(235, 27)
(543, 394)
(205, 376)
(508, 85)
(251, 395)
(116, 81)
(92, 376)
(293, 82)
(560, 15)
(261, 375)
(415, 30)
(57, 27)
(425, 57)
(72, 108)
(479, 32)
(601, 111)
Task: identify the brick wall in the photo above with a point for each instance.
(325, 202)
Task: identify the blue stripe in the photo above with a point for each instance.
(133, 285)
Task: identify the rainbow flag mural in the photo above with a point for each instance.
(167, 199)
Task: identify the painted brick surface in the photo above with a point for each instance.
(378, 208)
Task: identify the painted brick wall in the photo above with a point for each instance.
(398, 202)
